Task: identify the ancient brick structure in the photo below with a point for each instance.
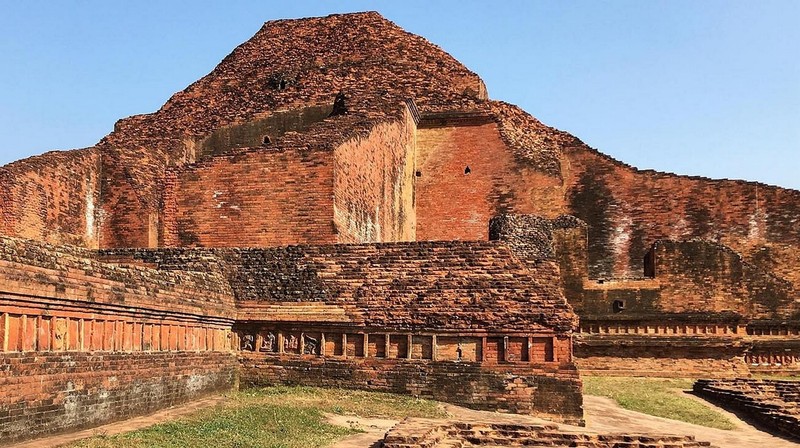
(84, 342)
(420, 433)
(398, 317)
(347, 129)
(773, 404)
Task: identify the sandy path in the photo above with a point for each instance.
(605, 415)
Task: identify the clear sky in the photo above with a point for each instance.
(707, 88)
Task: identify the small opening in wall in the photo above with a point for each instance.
(282, 85)
(467, 170)
(618, 306)
(419, 173)
(266, 140)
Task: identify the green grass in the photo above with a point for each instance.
(273, 417)
(661, 397)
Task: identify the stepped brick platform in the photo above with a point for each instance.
(420, 433)
(774, 404)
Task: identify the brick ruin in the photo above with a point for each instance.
(772, 404)
(339, 202)
(421, 433)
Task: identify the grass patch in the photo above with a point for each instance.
(661, 397)
(272, 417)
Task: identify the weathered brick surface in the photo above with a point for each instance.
(52, 198)
(374, 185)
(627, 210)
(774, 404)
(287, 65)
(660, 355)
(49, 392)
(553, 393)
(70, 274)
(225, 202)
(424, 285)
(84, 342)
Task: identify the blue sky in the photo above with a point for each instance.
(707, 88)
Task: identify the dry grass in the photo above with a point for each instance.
(661, 397)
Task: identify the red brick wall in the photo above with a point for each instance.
(701, 276)
(627, 210)
(83, 342)
(52, 198)
(49, 392)
(262, 198)
(687, 357)
(374, 185)
(553, 393)
(452, 205)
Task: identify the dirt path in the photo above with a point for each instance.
(125, 425)
(374, 430)
(604, 415)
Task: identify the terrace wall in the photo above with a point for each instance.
(83, 343)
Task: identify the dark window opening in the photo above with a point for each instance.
(419, 173)
(266, 141)
(282, 85)
(467, 170)
(618, 306)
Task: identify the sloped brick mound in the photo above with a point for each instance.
(774, 404)
(419, 433)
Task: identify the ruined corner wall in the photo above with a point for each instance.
(361, 191)
(52, 198)
(628, 209)
(703, 276)
(453, 204)
(373, 185)
(84, 343)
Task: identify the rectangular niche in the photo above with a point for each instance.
(494, 350)
(542, 349)
(291, 342)
(333, 344)
(422, 347)
(311, 343)
(454, 348)
(377, 345)
(398, 346)
(355, 345)
(517, 350)
(268, 341)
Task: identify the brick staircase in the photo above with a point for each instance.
(419, 433)
(774, 404)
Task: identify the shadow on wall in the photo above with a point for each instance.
(261, 131)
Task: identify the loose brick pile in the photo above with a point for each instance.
(420, 433)
(773, 404)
